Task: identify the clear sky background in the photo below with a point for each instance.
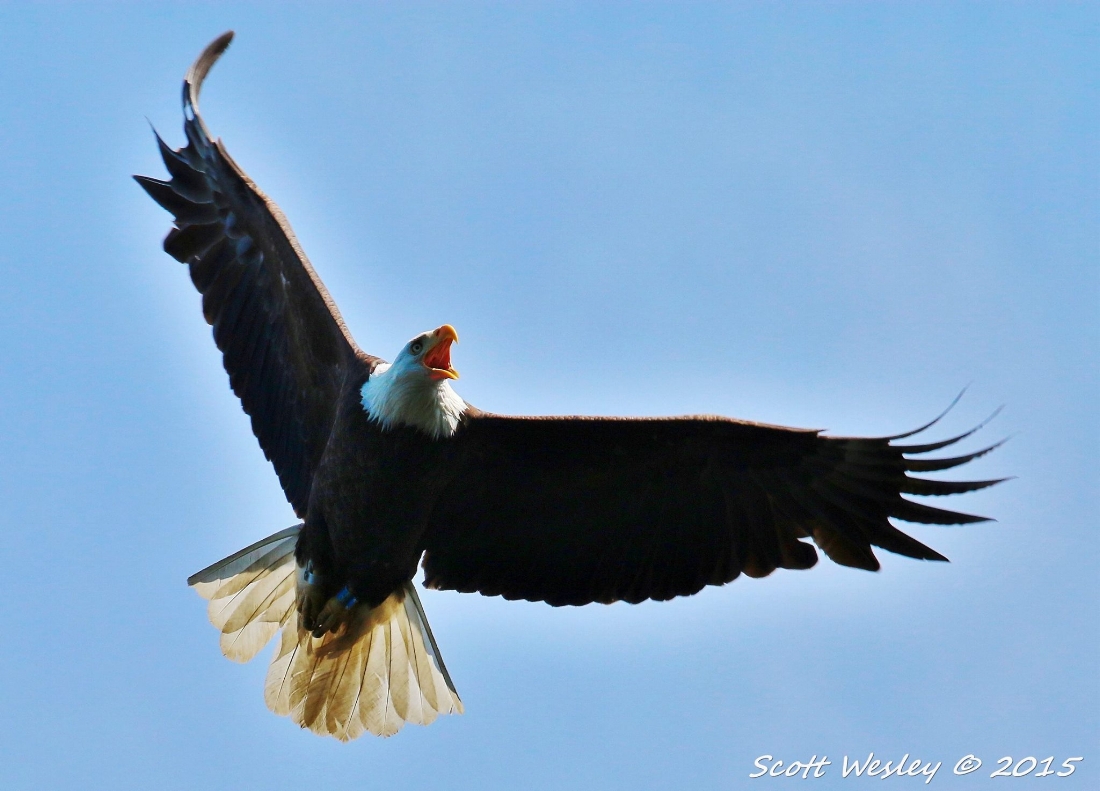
(826, 215)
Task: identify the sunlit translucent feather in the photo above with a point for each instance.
(379, 671)
(251, 593)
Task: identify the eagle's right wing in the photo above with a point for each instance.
(284, 344)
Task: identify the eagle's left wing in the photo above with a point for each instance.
(579, 510)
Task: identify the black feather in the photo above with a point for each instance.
(184, 210)
(192, 240)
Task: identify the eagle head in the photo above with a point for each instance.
(429, 354)
(415, 389)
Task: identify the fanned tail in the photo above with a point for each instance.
(379, 671)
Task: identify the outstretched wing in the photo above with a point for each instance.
(284, 345)
(579, 510)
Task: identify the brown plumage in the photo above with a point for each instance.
(578, 510)
(566, 510)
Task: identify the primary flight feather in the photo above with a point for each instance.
(387, 467)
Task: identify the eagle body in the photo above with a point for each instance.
(388, 468)
(370, 501)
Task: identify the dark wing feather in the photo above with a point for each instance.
(578, 510)
(284, 345)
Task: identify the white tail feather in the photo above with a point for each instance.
(379, 671)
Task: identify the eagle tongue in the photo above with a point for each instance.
(439, 360)
(440, 356)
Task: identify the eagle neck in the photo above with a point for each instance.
(394, 397)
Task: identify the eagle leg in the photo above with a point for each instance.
(336, 612)
(310, 597)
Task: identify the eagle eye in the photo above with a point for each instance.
(416, 346)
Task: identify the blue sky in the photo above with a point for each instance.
(828, 215)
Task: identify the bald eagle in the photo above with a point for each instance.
(387, 467)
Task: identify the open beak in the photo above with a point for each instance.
(438, 358)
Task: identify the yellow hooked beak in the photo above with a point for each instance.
(438, 358)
